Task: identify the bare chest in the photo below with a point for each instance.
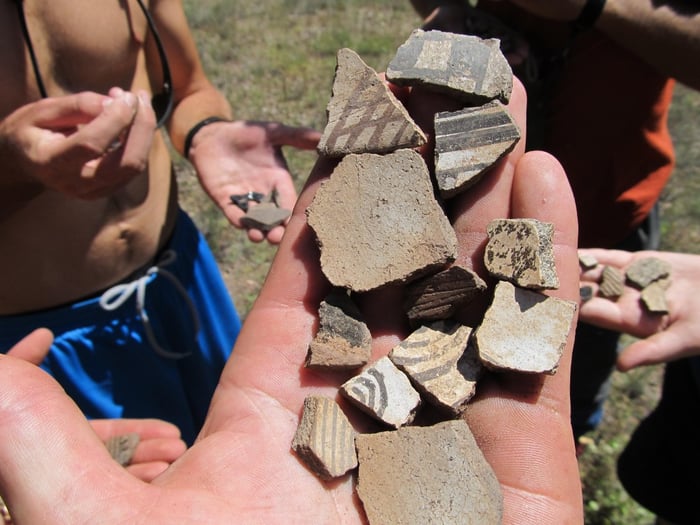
(78, 45)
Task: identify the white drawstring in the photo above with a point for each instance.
(118, 294)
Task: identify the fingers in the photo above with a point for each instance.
(67, 112)
(158, 447)
(40, 459)
(296, 137)
(119, 148)
(137, 143)
(146, 428)
(91, 154)
(541, 191)
(659, 348)
(624, 314)
(286, 197)
(148, 471)
(522, 422)
(34, 347)
(490, 199)
(95, 138)
(616, 258)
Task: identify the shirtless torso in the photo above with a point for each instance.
(56, 248)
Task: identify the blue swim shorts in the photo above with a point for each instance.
(160, 360)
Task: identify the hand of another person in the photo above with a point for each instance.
(241, 468)
(84, 145)
(159, 441)
(664, 337)
(235, 158)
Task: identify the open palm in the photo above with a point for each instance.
(241, 469)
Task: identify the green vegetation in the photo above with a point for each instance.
(275, 60)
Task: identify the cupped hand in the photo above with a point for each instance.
(663, 337)
(241, 468)
(235, 158)
(84, 145)
(159, 441)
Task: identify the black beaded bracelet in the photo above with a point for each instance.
(193, 131)
(589, 15)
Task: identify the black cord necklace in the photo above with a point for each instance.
(162, 102)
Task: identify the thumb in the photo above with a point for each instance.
(34, 347)
(659, 348)
(46, 442)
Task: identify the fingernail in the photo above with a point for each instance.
(129, 99)
(145, 98)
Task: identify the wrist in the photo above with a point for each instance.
(195, 129)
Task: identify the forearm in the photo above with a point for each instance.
(665, 34)
(195, 97)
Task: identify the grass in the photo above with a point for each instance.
(275, 59)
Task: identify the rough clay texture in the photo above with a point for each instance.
(612, 283)
(384, 392)
(524, 330)
(587, 262)
(265, 216)
(645, 271)
(439, 295)
(465, 67)
(654, 298)
(440, 365)
(324, 439)
(425, 476)
(122, 447)
(343, 340)
(377, 222)
(520, 251)
(469, 142)
(363, 115)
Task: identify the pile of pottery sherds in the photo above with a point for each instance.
(650, 275)
(379, 221)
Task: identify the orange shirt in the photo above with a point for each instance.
(605, 119)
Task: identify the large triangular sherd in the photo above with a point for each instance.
(324, 439)
(465, 67)
(469, 142)
(363, 115)
(524, 330)
(521, 251)
(440, 364)
(377, 222)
